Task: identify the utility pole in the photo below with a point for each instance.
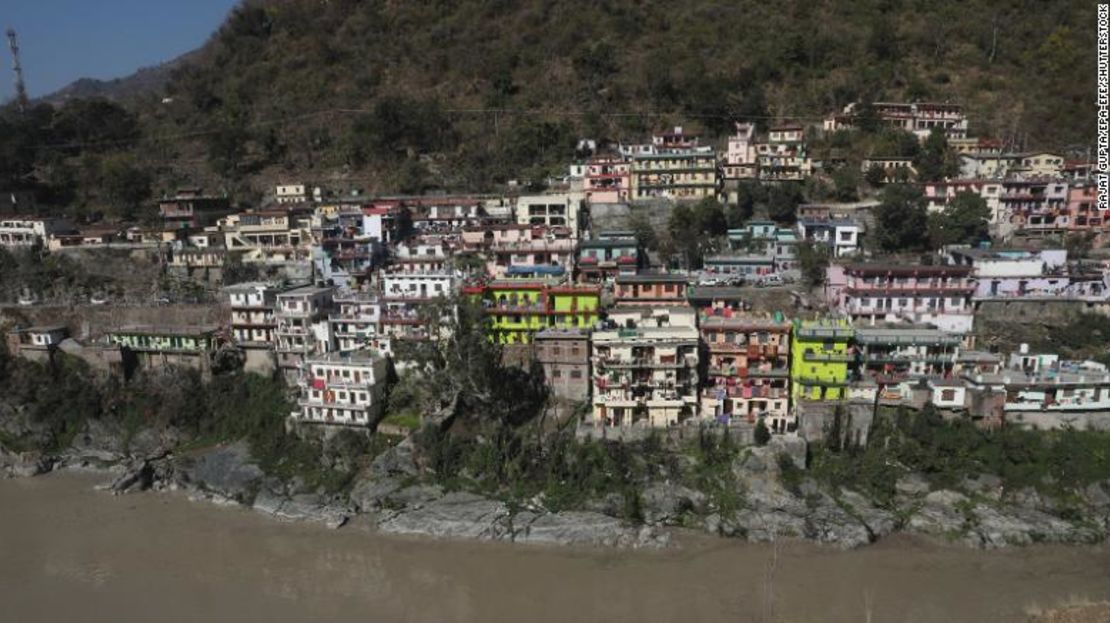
(20, 87)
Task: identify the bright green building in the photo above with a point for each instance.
(518, 309)
(819, 358)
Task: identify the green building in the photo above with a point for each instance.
(518, 309)
(819, 357)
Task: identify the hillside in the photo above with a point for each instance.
(145, 81)
(409, 96)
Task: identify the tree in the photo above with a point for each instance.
(813, 259)
(643, 230)
(875, 175)
(692, 227)
(936, 161)
(123, 185)
(749, 194)
(783, 201)
(846, 183)
(762, 434)
(964, 221)
(901, 222)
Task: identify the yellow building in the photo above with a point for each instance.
(518, 309)
(819, 358)
(689, 175)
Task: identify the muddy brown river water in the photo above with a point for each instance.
(69, 553)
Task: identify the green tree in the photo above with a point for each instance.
(783, 201)
(846, 181)
(813, 259)
(124, 186)
(901, 222)
(692, 228)
(964, 221)
(762, 434)
(936, 161)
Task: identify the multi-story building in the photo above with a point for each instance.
(277, 235)
(740, 162)
(736, 265)
(343, 388)
(156, 347)
(608, 179)
(1038, 164)
(1084, 217)
(894, 353)
(1035, 207)
(565, 357)
(253, 322)
(26, 232)
(893, 168)
(920, 118)
(405, 294)
(784, 156)
(820, 351)
(646, 368)
(678, 175)
(841, 236)
(610, 254)
(551, 210)
(651, 288)
(518, 309)
(190, 208)
(747, 369)
(354, 323)
(873, 293)
(291, 193)
(302, 327)
(1015, 273)
(526, 248)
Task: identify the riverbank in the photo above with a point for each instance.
(143, 556)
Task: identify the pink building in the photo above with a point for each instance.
(608, 179)
(1083, 213)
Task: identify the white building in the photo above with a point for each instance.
(354, 325)
(343, 389)
(553, 210)
(841, 236)
(291, 193)
(302, 325)
(26, 232)
(252, 313)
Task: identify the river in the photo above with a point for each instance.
(71, 553)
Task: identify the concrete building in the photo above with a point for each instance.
(156, 347)
(874, 293)
(606, 257)
(608, 179)
(897, 352)
(355, 321)
(919, 118)
(253, 322)
(820, 351)
(565, 357)
(36, 343)
(190, 208)
(518, 309)
(552, 210)
(645, 368)
(345, 389)
(291, 193)
(650, 288)
(842, 237)
(678, 175)
(27, 232)
(302, 327)
(784, 156)
(747, 369)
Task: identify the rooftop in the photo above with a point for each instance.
(649, 277)
(159, 330)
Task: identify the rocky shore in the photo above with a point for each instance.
(391, 495)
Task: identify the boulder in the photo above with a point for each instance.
(369, 494)
(912, 485)
(665, 502)
(586, 528)
(455, 515)
(228, 471)
(400, 460)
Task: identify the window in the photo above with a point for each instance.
(948, 395)
(557, 374)
(575, 374)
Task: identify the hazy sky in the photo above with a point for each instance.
(62, 40)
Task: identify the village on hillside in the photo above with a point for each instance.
(792, 323)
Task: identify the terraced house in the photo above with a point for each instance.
(646, 368)
(820, 352)
(517, 309)
(747, 369)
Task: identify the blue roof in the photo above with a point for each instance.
(518, 269)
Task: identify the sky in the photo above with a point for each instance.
(63, 40)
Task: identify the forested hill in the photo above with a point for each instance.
(402, 95)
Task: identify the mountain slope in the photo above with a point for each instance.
(146, 80)
(496, 88)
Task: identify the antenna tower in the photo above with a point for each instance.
(20, 88)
